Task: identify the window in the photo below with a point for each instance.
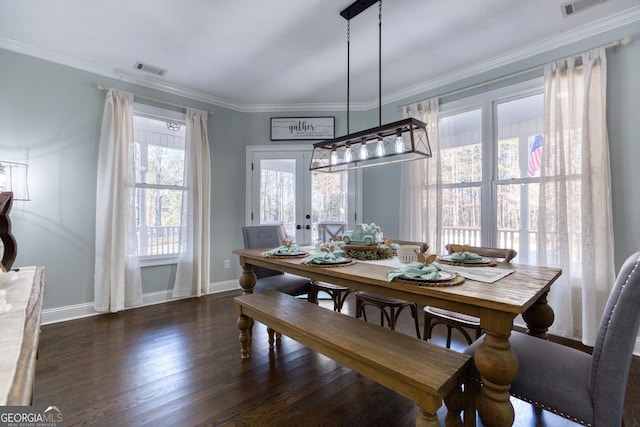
(490, 147)
(160, 174)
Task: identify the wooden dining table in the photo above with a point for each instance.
(524, 291)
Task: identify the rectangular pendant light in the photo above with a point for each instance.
(395, 142)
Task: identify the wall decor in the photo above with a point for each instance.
(293, 128)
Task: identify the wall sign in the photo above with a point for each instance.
(289, 128)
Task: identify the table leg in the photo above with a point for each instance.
(498, 367)
(247, 281)
(243, 325)
(539, 317)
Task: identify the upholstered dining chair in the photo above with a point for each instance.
(269, 237)
(390, 308)
(588, 389)
(437, 316)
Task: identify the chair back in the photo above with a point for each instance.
(329, 229)
(504, 254)
(262, 236)
(613, 350)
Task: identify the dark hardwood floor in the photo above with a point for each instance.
(178, 364)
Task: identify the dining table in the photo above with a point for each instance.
(519, 290)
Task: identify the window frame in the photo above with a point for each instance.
(487, 103)
(163, 114)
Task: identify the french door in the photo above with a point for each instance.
(282, 190)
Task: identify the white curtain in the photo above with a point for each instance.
(117, 272)
(421, 184)
(575, 222)
(192, 275)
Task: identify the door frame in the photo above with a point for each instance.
(355, 180)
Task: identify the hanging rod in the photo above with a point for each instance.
(616, 44)
(159, 101)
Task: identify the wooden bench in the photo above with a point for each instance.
(420, 371)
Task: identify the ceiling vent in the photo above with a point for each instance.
(151, 69)
(578, 6)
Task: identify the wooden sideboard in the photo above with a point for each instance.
(17, 389)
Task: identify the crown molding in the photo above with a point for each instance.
(592, 29)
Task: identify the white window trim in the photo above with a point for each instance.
(168, 115)
(487, 102)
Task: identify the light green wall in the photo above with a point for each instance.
(50, 116)
(623, 114)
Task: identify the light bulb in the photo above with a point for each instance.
(348, 154)
(334, 155)
(364, 153)
(380, 148)
(399, 142)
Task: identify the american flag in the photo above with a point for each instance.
(535, 154)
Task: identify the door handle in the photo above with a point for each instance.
(308, 227)
(298, 227)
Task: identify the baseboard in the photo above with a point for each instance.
(78, 311)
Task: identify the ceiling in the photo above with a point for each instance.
(292, 54)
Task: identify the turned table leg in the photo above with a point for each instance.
(539, 317)
(247, 281)
(498, 367)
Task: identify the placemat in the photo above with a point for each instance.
(302, 255)
(346, 264)
(458, 280)
(491, 263)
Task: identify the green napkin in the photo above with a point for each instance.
(323, 257)
(463, 256)
(415, 270)
(283, 250)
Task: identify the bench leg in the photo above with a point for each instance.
(426, 420)
(244, 323)
(271, 333)
(455, 402)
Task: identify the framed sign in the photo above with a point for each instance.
(290, 128)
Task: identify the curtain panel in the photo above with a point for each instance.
(575, 224)
(192, 274)
(421, 184)
(117, 282)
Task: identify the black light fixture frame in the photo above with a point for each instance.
(375, 144)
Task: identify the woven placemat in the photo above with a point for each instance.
(346, 264)
(491, 263)
(458, 280)
(302, 255)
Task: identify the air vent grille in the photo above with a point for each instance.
(151, 69)
(577, 6)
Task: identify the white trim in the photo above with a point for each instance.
(78, 311)
(609, 23)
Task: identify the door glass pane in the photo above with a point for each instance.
(278, 193)
(329, 196)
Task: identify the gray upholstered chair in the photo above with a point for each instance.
(269, 237)
(589, 389)
(438, 316)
